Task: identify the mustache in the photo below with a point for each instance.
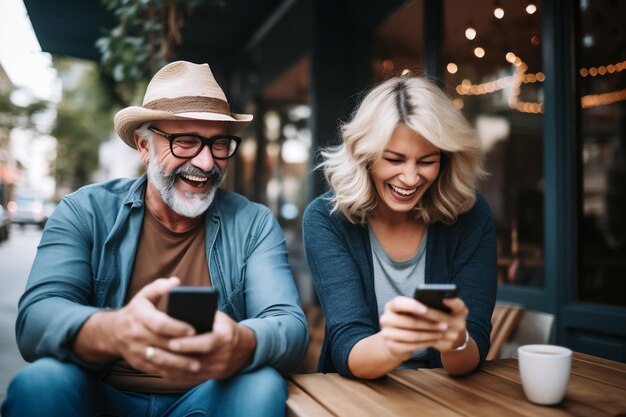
(214, 175)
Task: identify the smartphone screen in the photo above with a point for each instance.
(194, 305)
(432, 295)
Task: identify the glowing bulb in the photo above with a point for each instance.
(498, 12)
(479, 52)
(388, 65)
(535, 40)
(470, 33)
(510, 57)
(452, 68)
(531, 8)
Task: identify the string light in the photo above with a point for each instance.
(498, 11)
(466, 88)
(531, 8)
(595, 100)
(515, 81)
(535, 40)
(603, 70)
(470, 33)
(388, 65)
(510, 57)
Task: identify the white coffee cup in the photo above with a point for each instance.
(544, 370)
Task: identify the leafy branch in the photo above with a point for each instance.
(14, 116)
(144, 40)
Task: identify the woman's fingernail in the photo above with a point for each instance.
(443, 325)
(194, 367)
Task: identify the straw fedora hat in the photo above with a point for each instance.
(179, 91)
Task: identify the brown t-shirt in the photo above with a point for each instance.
(161, 254)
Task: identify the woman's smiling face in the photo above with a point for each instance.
(407, 168)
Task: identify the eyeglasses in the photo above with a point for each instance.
(188, 145)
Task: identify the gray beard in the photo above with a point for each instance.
(190, 204)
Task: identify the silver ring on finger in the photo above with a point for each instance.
(149, 353)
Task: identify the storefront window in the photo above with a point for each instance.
(397, 44)
(602, 82)
(275, 161)
(493, 72)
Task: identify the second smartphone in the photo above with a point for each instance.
(432, 295)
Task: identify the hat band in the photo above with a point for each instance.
(189, 104)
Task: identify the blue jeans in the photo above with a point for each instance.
(53, 388)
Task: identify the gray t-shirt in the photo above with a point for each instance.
(393, 278)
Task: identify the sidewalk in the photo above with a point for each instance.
(16, 257)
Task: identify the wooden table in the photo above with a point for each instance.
(597, 387)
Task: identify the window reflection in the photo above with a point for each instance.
(275, 161)
(493, 72)
(491, 58)
(602, 81)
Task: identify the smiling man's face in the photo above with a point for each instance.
(186, 186)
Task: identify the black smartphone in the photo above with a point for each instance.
(195, 305)
(432, 295)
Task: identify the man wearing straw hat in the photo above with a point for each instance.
(89, 318)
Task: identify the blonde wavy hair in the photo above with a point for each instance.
(422, 106)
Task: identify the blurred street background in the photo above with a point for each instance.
(16, 256)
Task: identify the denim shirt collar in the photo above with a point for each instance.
(135, 196)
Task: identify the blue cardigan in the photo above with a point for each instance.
(340, 259)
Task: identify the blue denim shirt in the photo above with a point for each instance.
(339, 255)
(85, 259)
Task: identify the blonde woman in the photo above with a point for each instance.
(402, 210)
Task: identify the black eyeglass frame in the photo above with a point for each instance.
(205, 141)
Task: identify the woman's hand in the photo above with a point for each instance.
(407, 325)
(456, 320)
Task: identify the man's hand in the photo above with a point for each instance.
(129, 331)
(216, 355)
(175, 351)
(140, 326)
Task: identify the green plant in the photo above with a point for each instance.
(14, 116)
(84, 121)
(144, 40)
